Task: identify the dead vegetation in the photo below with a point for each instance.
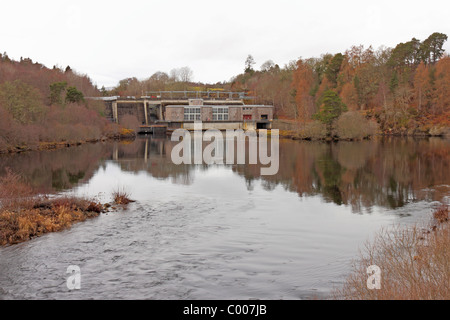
(25, 215)
(121, 197)
(414, 263)
(46, 216)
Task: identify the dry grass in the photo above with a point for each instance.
(414, 263)
(25, 215)
(121, 197)
(441, 214)
(18, 225)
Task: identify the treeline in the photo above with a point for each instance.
(405, 89)
(39, 104)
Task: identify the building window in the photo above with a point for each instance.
(220, 114)
(192, 113)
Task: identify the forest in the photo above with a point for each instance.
(40, 105)
(401, 90)
(353, 94)
(404, 89)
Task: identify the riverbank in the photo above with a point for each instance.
(290, 129)
(123, 134)
(25, 215)
(413, 263)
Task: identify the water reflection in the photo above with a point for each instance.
(60, 169)
(383, 172)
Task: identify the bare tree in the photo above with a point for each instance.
(249, 62)
(186, 74)
(174, 75)
(266, 66)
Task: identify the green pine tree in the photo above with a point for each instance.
(331, 108)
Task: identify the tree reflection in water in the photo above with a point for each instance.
(388, 172)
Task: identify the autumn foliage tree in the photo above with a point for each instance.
(38, 104)
(405, 88)
(303, 82)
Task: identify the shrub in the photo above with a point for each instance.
(353, 126)
(13, 190)
(121, 196)
(314, 130)
(22, 101)
(414, 264)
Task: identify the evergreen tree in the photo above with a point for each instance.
(332, 107)
(73, 95)
(56, 89)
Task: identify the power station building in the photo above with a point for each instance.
(219, 117)
(221, 112)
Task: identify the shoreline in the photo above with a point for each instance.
(316, 131)
(293, 135)
(53, 145)
(284, 134)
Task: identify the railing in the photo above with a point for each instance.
(197, 95)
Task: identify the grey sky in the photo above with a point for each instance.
(112, 40)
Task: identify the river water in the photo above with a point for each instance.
(221, 232)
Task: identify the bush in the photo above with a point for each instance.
(121, 196)
(23, 102)
(413, 261)
(353, 126)
(313, 130)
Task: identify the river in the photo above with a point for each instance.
(221, 232)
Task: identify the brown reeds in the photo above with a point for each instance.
(25, 215)
(121, 196)
(414, 264)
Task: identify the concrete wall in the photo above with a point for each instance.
(175, 113)
(263, 111)
(133, 109)
(235, 113)
(207, 113)
(222, 125)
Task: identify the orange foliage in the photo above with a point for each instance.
(443, 86)
(303, 81)
(422, 87)
(349, 96)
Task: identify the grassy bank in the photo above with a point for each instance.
(414, 263)
(24, 214)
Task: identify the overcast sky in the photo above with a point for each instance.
(113, 40)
